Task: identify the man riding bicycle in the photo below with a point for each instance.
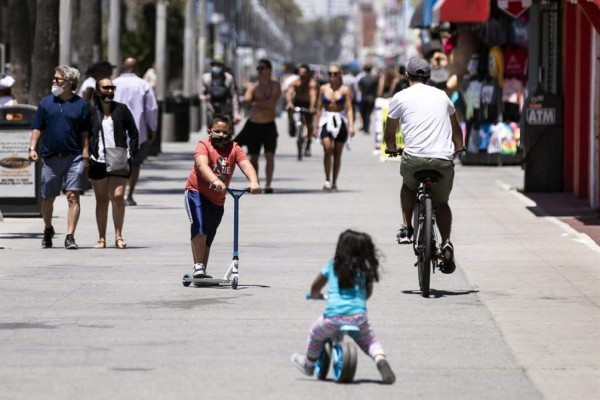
(302, 93)
(432, 136)
(220, 92)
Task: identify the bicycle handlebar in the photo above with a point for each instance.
(303, 110)
(309, 297)
(393, 153)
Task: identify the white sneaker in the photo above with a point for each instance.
(327, 186)
(199, 271)
(300, 362)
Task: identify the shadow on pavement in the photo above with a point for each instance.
(436, 294)
(571, 210)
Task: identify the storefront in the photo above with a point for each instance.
(528, 72)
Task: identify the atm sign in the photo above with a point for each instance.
(541, 116)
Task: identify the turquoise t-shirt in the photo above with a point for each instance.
(344, 301)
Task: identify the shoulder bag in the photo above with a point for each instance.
(115, 157)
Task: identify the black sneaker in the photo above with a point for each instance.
(446, 263)
(70, 243)
(387, 375)
(404, 235)
(48, 235)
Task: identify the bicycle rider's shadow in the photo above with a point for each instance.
(436, 294)
(354, 382)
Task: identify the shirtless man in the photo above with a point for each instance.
(260, 129)
(302, 93)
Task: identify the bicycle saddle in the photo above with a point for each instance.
(426, 174)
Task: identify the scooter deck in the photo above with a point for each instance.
(203, 282)
(207, 281)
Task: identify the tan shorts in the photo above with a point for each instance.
(440, 191)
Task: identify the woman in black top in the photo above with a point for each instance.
(112, 126)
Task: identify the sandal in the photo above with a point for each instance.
(120, 243)
(100, 244)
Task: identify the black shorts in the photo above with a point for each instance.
(256, 135)
(98, 170)
(342, 135)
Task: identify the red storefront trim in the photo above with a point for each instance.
(577, 41)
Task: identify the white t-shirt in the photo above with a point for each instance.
(109, 138)
(424, 112)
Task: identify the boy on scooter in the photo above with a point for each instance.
(206, 187)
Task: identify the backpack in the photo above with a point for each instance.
(218, 89)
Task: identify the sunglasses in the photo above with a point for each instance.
(333, 73)
(57, 79)
(109, 87)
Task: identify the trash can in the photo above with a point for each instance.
(20, 178)
(542, 134)
(179, 107)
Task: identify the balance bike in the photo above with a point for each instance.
(231, 276)
(340, 355)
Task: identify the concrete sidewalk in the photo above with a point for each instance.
(519, 319)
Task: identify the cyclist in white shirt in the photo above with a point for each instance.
(432, 136)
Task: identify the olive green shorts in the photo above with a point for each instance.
(440, 191)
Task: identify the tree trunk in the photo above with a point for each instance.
(45, 49)
(90, 33)
(20, 48)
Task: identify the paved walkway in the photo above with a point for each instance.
(519, 319)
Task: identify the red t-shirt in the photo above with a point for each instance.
(222, 161)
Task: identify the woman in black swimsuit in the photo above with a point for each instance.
(334, 123)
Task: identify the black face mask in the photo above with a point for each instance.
(107, 98)
(220, 141)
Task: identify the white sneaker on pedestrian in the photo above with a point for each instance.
(301, 363)
(327, 186)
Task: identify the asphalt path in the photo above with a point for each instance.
(519, 319)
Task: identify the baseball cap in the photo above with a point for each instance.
(216, 61)
(6, 81)
(418, 67)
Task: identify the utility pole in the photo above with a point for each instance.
(65, 26)
(114, 33)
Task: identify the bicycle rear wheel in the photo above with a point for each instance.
(425, 243)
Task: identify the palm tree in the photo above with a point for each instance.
(45, 49)
(20, 46)
(90, 33)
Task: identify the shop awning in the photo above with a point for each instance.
(467, 11)
(434, 12)
(422, 16)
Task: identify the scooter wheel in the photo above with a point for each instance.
(234, 282)
(184, 282)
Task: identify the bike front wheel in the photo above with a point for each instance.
(300, 139)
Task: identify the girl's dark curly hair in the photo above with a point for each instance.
(355, 255)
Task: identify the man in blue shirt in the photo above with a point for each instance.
(62, 122)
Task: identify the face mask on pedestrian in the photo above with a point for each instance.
(57, 90)
(216, 69)
(219, 138)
